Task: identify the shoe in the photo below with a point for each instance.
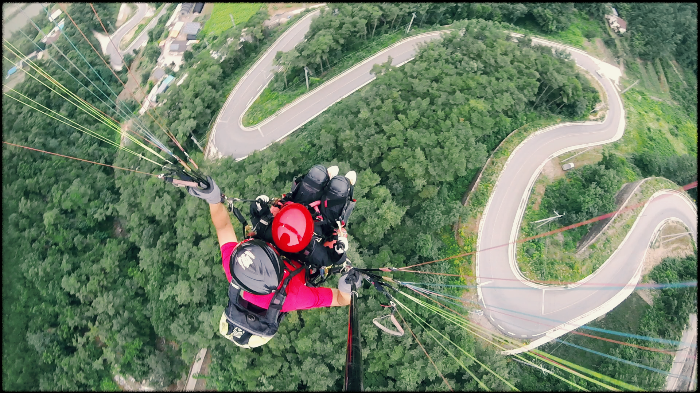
(352, 176)
(333, 171)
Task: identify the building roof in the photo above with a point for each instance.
(158, 73)
(178, 46)
(168, 79)
(192, 28)
(50, 39)
(165, 83)
(186, 8)
(622, 23)
(55, 15)
(198, 7)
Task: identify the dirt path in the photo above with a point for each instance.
(133, 85)
(104, 41)
(201, 384)
(282, 12)
(196, 369)
(685, 360)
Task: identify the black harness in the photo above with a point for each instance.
(246, 319)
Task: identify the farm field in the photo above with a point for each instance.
(220, 19)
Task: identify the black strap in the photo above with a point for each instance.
(331, 203)
(289, 278)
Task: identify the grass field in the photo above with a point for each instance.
(574, 35)
(220, 19)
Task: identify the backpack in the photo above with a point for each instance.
(337, 202)
(308, 189)
(328, 200)
(248, 325)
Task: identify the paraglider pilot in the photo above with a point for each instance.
(263, 285)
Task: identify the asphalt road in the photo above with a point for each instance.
(143, 36)
(524, 310)
(515, 306)
(230, 138)
(684, 363)
(115, 59)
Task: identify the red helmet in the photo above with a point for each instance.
(292, 228)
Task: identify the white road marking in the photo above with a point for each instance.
(487, 282)
(538, 334)
(500, 326)
(491, 317)
(543, 302)
(260, 132)
(512, 334)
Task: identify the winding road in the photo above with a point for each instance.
(516, 306)
(112, 47)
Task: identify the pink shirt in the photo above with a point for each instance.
(299, 296)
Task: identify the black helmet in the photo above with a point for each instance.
(256, 267)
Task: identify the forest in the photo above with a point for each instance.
(101, 266)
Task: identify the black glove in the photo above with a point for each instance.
(262, 206)
(346, 280)
(212, 194)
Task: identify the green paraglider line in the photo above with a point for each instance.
(87, 131)
(423, 324)
(118, 111)
(462, 322)
(80, 159)
(84, 106)
(426, 352)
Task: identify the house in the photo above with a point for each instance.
(51, 37)
(11, 71)
(617, 24)
(165, 84)
(158, 73)
(55, 15)
(178, 46)
(191, 29)
(159, 88)
(614, 12)
(198, 8)
(186, 8)
(22, 62)
(176, 29)
(623, 25)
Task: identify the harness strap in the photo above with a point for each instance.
(397, 332)
(336, 202)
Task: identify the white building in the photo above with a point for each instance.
(55, 15)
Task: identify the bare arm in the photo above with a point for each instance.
(340, 298)
(222, 223)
